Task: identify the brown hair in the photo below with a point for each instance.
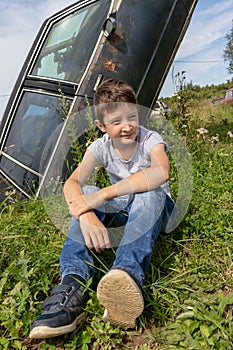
(110, 92)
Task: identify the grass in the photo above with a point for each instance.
(189, 285)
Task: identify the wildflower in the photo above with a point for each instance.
(185, 128)
(202, 131)
(183, 138)
(230, 134)
(214, 139)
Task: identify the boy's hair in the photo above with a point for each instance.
(110, 92)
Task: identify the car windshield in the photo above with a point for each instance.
(70, 43)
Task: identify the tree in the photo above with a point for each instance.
(228, 52)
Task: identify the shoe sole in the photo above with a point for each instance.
(42, 332)
(121, 297)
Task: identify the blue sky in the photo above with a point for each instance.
(201, 52)
(203, 44)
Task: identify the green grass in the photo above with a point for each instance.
(189, 285)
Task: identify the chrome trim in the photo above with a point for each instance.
(52, 80)
(20, 164)
(8, 122)
(14, 183)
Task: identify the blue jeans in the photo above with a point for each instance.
(135, 225)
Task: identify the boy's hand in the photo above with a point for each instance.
(94, 232)
(85, 203)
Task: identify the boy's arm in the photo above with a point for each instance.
(94, 232)
(72, 188)
(142, 181)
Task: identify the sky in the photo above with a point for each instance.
(200, 54)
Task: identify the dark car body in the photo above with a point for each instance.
(74, 51)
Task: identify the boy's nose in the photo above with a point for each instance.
(126, 127)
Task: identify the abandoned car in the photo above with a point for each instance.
(74, 51)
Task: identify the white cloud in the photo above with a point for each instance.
(210, 22)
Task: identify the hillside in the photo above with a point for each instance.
(189, 286)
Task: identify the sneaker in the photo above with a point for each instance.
(63, 311)
(121, 297)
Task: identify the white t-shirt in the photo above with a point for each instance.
(117, 168)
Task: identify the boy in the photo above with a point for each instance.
(138, 167)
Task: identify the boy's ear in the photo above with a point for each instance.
(100, 125)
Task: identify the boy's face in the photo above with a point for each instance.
(121, 124)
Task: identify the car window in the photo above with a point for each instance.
(70, 43)
(36, 119)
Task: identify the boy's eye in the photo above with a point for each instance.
(115, 122)
(133, 117)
